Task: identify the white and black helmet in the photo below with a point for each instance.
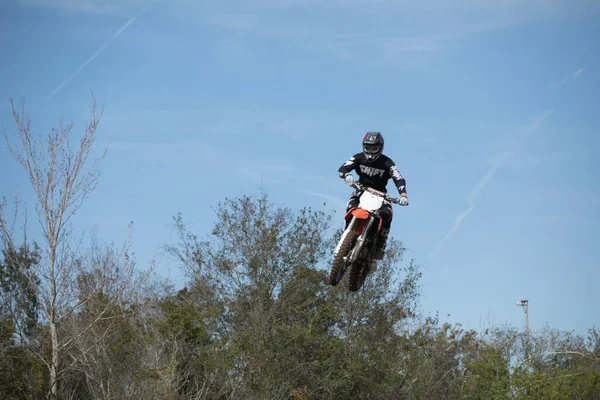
(372, 145)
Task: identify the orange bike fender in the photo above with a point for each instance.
(359, 213)
(349, 212)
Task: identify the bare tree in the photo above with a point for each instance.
(61, 181)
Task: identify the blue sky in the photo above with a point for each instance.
(489, 109)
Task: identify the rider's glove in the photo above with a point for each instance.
(349, 179)
(403, 200)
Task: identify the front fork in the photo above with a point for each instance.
(361, 239)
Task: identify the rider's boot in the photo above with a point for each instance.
(381, 244)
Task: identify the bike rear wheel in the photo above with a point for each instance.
(358, 274)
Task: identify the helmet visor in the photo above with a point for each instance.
(371, 148)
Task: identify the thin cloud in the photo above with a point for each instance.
(331, 199)
(344, 28)
(405, 34)
(182, 155)
(119, 8)
(564, 218)
(233, 121)
(500, 159)
(100, 50)
(257, 176)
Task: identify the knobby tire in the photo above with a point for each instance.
(357, 275)
(338, 260)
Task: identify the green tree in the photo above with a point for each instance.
(21, 373)
(18, 285)
(561, 365)
(279, 329)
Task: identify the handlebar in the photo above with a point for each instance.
(362, 187)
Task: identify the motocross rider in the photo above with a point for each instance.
(374, 170)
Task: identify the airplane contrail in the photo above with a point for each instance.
(501, 159)
(100, 50)
(572, 77)
(470, 199)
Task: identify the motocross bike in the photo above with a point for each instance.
(358, 242)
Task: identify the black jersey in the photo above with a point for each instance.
(375, 174)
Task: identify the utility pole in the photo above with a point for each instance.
(525, 305)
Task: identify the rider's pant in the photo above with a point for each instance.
(385, 211)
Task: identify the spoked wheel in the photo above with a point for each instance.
(339, 265)
(358, 273)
